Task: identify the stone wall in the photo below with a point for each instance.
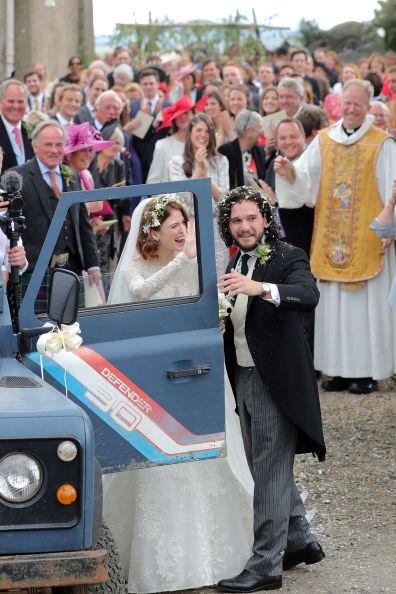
(48, 31)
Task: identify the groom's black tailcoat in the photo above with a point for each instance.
(277, 342)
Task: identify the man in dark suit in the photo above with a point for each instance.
(297, 223)
(299, 60)
(246, 160)
(151, 103)
(271, 372)
(108, 108)
(86, 113)
(14, 139)
(44, 180)
(38, 100)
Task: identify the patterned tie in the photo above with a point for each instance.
(36, 104)
(244, 264)
(18, 137)
(53, 184)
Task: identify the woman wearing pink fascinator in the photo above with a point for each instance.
(83, 141)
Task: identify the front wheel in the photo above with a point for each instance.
(115, 583)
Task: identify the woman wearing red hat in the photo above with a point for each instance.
(178, 116)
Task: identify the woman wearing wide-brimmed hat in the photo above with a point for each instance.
(177, 118)
(83, 142)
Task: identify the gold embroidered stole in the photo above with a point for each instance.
(343, 247)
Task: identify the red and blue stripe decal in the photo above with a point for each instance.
(128, 409)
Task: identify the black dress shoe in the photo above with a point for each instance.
(363, 385)
(313, 553)
(248, 581)
(337, 384)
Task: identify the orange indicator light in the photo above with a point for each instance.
(66, 494)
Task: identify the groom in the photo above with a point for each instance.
(272, 375)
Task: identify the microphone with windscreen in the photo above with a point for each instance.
(12, 185)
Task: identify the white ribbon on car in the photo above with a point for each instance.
(66, 337)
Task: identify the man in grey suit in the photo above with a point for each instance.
(44, 180)
(272, 375)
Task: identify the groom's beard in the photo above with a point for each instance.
(247, 247)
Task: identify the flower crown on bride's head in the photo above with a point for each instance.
(155, 211)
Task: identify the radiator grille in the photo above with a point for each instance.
(19, 381)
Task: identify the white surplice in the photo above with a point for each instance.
(355, 332)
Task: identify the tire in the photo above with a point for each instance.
(116, 582)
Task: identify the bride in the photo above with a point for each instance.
(160, 245)
(184, 525)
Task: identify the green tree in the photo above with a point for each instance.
(309, 32)
(385, 17)
(207, 36)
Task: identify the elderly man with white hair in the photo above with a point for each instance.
(347, 173)
(246, 159)
(123, 74)
(381, 113)
(108, 106)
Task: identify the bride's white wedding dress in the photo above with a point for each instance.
(184, 525)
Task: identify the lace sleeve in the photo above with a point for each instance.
(143, 288)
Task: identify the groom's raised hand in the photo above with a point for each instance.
(233, 284)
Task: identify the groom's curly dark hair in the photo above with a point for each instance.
(241, 194)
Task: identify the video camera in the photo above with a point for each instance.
(13, 224)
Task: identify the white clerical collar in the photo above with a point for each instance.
(336, 132)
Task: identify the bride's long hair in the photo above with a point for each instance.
(146, 246)
(189, 157)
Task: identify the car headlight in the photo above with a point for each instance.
(21, 477)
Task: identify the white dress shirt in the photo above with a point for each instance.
(20, 154)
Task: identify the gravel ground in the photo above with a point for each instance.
(353, 493)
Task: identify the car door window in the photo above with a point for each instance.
(157, 260)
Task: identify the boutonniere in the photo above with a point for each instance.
(28, 128)
(225, 306)
(263, 252)
(67, 174)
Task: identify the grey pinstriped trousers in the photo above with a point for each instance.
(270, 444)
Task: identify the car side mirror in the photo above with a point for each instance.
(64, 296)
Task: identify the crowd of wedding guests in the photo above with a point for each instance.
(146, 108)
(171, 120)
(120, 122)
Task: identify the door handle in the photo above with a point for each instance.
(200, 370)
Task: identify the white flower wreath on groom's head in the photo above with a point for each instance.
(264, 249)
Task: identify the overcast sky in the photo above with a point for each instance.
(285, 13)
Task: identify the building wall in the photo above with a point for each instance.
(49, 32)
